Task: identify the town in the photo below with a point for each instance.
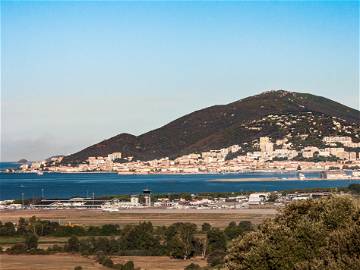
(336, 153)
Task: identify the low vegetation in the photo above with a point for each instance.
(318, 234)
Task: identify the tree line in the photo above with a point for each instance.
(179, 240)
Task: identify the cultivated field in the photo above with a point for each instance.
(218, 218)
(68, 262)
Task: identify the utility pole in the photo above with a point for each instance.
(22, 199)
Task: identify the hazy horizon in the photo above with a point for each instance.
(76, 73)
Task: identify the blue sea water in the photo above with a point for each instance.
(63, 185)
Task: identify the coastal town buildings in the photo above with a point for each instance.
(267, 154)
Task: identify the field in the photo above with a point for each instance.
(68, 262)
(218, 218)
(47, 262)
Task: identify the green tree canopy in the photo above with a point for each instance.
(31, 241)
(314, 234)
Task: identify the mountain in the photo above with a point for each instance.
(239, 122)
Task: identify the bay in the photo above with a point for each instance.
(65, 185)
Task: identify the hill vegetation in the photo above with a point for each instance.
(224, 125)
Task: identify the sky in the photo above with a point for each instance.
(75, 73)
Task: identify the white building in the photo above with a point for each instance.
(115, 155)
(257, 198)
(266, 145)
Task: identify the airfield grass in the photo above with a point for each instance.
(159, 217)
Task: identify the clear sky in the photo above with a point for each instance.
(75, 73)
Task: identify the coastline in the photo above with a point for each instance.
(273, 179)
(175, 173)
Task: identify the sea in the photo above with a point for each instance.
(67, 185)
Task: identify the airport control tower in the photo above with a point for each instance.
(147, 197)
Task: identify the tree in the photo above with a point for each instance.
(7, 229)
(110, 229)
(216, 240)
(73, 244)
(272, 197)
(232, 230)
(22, 226)
(313, 234)
(180, 240)
(31, 241)
(205, 227)
(141, 237)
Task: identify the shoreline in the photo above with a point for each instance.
(198, 173)
(273, 179)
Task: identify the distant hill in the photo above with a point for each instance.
(23, 161)
(239, 122)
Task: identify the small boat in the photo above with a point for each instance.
(39, 173)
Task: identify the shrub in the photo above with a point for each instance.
(216, 258)
(128, 266)
(313, 234)
(192, 266)
(17, 249)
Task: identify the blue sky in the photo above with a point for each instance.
(75, 73)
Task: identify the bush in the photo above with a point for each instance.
(107, 262)
(192, 266)
(216, 258)
(78, 268)
(128, 266)
(313, 234)
(73, 244)
(18, 248)
(55, 248)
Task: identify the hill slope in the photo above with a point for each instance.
(223, 125)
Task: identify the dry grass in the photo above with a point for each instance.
(47, 262)
(218, 218)
(68, 262)
(158, 262)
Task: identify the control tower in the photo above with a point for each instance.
(147, 197)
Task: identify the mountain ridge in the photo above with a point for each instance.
(217, 126)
